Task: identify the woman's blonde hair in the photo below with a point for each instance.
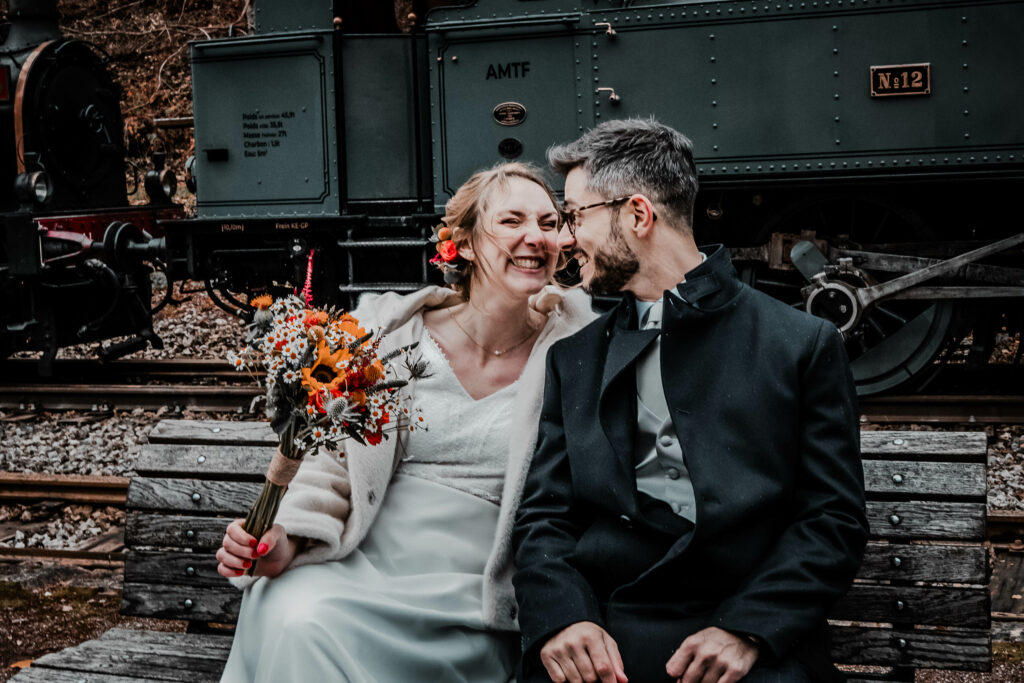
(468, 207)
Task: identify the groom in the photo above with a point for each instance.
(696, 503)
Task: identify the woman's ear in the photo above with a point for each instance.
(464, 243)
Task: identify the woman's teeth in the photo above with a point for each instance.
(527, 262)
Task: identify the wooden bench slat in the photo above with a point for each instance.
(106, 657)
(945, 563)
(179, 495)
(163, 567)
(181, 460)
(929, 605)
(920, 445)
(926, 520)
(213, 432)
(172, 531)
(209, 603)
(172, 639)
(43, 674)
(961, 479)
(969, 649)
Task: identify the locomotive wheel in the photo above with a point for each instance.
(895, 343)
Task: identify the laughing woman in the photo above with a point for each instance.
(391, 564)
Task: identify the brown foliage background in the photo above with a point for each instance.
(147, 42)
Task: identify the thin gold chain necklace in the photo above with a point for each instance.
(502, 352)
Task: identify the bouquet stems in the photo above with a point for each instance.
(263, 512)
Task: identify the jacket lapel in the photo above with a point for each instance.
(617, 398)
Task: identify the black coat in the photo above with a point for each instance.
(764, 407)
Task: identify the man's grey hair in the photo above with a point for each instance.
(635, 156)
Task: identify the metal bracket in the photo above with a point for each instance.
(613, 98)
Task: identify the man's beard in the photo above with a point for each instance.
(615, 264)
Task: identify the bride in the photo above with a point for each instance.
(392, 563)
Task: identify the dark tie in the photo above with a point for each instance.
(648, 368)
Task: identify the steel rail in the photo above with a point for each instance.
(25, 371)
(87, 397)
(70, 488)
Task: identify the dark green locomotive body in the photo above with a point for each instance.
(882, 133)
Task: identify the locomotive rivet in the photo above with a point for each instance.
(837, 142)
(715, 147)
(714, 80)
(455, 58)
(965, 89)
(966, 112)
(712, 60)
(439, 59)
(201, 459)
(837, 119)
(712, 36)
(897, 479)
(963, 66)
(894, 520)
(966, 136)
(714, 103)
(836, 74)
(836, 96)
(897, 442)
(190, 571)
(196, 497)
(964, 43)
(714, 125)
(835, 50)
(835, 28)
(900, 605)
(897, 561)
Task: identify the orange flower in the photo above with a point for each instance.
(347, 323)
(262, 302)
(373, 372)
(315, 318)
(325, 373)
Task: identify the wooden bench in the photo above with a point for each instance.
(921, 600)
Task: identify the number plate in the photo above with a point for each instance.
(901, 79)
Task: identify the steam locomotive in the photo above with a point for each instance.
(66, 276)
(857, 156)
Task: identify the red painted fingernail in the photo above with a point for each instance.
(254, 554)
(252, 543)
(247, 564)
(262, 549)
(239, 572)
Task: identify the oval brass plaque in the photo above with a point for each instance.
(510, 113)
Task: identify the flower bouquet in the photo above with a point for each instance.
(326, 381)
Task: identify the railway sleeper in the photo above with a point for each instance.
(921, 599)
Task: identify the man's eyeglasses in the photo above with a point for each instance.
(571, 217)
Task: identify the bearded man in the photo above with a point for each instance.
(695, 504)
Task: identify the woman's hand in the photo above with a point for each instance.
(275, 551)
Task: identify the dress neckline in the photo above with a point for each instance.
(447, 366)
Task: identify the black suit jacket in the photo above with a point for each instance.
(764, 406)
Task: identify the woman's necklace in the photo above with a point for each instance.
(501, 352)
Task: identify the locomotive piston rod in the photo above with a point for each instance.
(844, 303)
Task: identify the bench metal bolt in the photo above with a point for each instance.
(190, 571)
(897, 479)
(898, 442)
(215, 430)
(196, 497)
(901, 644)
(900, 605)
(894, 520)
(189, 533)
(201, 459)
(897, 561)
(188, 603)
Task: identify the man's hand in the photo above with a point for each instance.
(583, 652)
(712, 655)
